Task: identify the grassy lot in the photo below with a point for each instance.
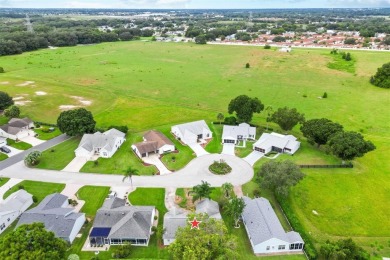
(47, 136)
(94, 197)
(181, 193)
(38, 189)
(3, 120)
(3, 156)
(215, 146)
(57, 157)
(156, 88)
(244, 151)
(3, 181)
(18, 145)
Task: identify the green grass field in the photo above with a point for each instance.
(94, 197)
(150, 84)
(47, 136)
(18, 145)
(3, 181)
(3, 156)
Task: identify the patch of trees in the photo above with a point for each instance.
(279, 39)
(382, 76)
(12, 112)
(32, 242)
(319, 131)
(5, 100)
(343, 249)
(76, 122)
(245, 107)
(351, 41)
(344, 55)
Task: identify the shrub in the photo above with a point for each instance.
(247, 65)
(382, 77)
(33, 158)
(230, 120)
(73, 257)
(122, 128)
(325, 95)
(95, 163)
(20, 187)
(35, 199)
(155, 217)
(154, 229)
(37, 125)
(267, 47)
(256, 193)
(121, 252)
(220, 168)
(2, 70)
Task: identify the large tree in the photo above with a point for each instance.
(5, 100)
(287, 118)
(211, 241)
(12, 112)
(244, 107)
(234, 208)
(201, 191)
(280, 176)
(76, 122)
(320, 130)
(349, 145)
(382, 77)
(32, 242)
(343, 249)
(227, 189)
(33, 158)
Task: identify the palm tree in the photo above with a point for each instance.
(201, 191)
(129, 174)
(227, 189)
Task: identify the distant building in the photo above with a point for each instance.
(154, 142)
(276, 142)
(235, 134)
(17, 128)
(57, 215)
(209, 207)
(265, 232)
(14, 205)
(172, 221)
(194, 132)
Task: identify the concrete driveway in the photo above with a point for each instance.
(198, 149)
(32, 140)
(13, 152)
(228, 149)
(76, 164)
(191, 175)
(253, 157)
(155, 160)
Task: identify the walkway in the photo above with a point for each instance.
(76, 164)
(70, 191)
(32, 140)
(228, 149)
(155, 160)
(189, 176)
(253, 157)
(198, 149)
(8, 185)
(44, 146)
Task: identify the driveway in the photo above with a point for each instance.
(253, 157)
(154, 159)
(198, 149)
(191, 175)
(76, 164)
(8, 185)
(13, 152)
(32, 140)
(228, 149)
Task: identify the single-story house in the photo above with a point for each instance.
(3, 141)
(235, 134)
(154, 142)
(172, 221)
(265, 231)
(57, 215)
(277, 143)
(209, 207)
(17, 128)
(14, 205)
(117, 223)
(193, 132)
(101, 144)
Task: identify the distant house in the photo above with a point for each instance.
(17, 128)
(265, 232)
(57, 215)
(116, 223)
(235, 134)
(101, 144)
(3, 141)
(154, 143)
(14, 205)
(285, 49)
(172, 221)
(277, 143)
(209, 207)
(194, 132)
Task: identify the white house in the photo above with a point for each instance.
(154, 143)
(3, 141)
(209, 207)
(172, 221)
(265, 232)
(101, 144)
(193, 132)
(57, 215)
(235, 134)
(277, 143)
(17, 128)
(14, 205)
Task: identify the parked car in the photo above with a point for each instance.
(5, 149)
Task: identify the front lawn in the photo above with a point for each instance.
(244, 151)
(3, 156)
(57, 157)
(38, 189)
(94, 197)
(18, 145)
(47, 136)
(3, 181)
(215, 146)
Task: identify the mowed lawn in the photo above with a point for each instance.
(149, 84)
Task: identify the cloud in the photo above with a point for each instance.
(79, 4)
(360, 3)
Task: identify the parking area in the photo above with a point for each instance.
(198, 149)
(32, 140)
(76, 164)
(253, 157)
(155, 160)
(228, 149)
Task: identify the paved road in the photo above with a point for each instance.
(44, 146)
(191, 175)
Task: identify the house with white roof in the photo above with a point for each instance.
(234, 134)
(193, 132)
(3, 141)
(17, 128)
(154, 142)
(265, 231)
(209, 207)
(57, 216)
(172, 221)
(14, 205)
(100, 144)
(277, 143)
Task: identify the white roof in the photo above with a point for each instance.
(104, 140)
(230, 131)
(210, 207)
(15, 201)
(195, 128)
(277, 140)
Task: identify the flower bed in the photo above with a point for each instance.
(220, 168)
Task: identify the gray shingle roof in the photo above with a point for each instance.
(124, 221)
(104, 140)
(277, 140)
(20, 122)
(262, 223)
(193, 127)
(172, 221)
(210, 207)
(10, 129)
(57, 219)
(15, 201)
(147, 147)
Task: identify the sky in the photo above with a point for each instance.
(193, 4)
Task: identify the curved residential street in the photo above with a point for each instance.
(191, 175)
